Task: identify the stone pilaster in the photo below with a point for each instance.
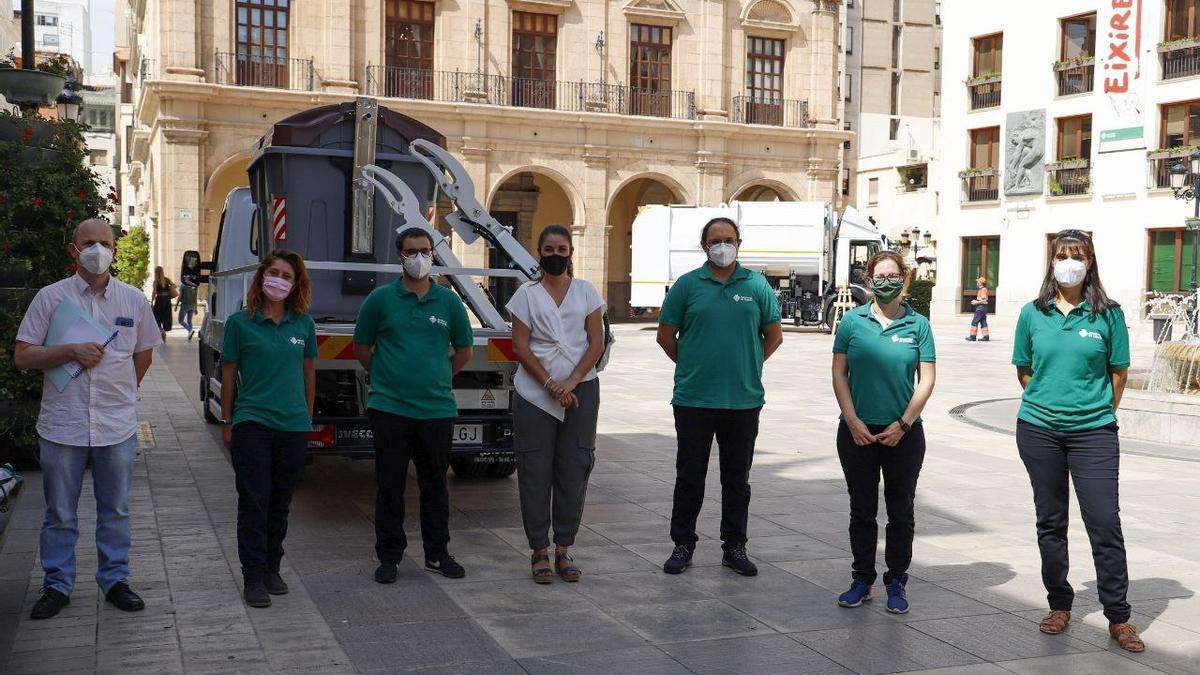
(712, 92)
(180, 189)
(823, 54)
(179, 34)
(588, 230)
(335, 66)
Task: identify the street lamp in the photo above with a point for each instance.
(69, 101)
(1180, 179)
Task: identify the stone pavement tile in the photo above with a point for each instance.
(484, 518)
(1020, 593)
(599, 514)
(514, 596)
(801, 607)
(1000, 637)
(605, 560)
(832, 574)
(156, 659)
(52, 661)
(930, 601)
(532, 635)
(708, 553)
(499, 667)
(791, 547)
(419, 645)
(297, 653)
(515, 537)
(647, 531)
(1078, 664)
(44, 640)
(757, 528)
(722, 582)
(884, 648)
(630, 589)
(765, 655)
(386, 603)
(978, 669)
(1184, 613)
(689, 621)
(1168, 647)
(640, 660)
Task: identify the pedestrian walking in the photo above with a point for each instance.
(268, 380)
(979, 322)
(1071, 350)
(164, 292)
(94, 418)
(185, 304)
(719, 324)
(879, 349)
(558, 336)
(413, 336)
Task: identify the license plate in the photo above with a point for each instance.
(468, 434)
(354, 435)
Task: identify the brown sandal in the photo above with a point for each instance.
(563, 565)
(1126, 635)
(541, 575)
(1055, 622)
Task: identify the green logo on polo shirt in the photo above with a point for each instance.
(742, 298)
(1085, 333)
(905, 340)
(297, 341)
(434, 319)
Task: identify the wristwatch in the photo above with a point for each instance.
(904, 426)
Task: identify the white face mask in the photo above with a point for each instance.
(95, 258)
(418, 266)
(722, 255)
(1070, 272)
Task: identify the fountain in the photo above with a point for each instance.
(1163, 404)
(1176, 365)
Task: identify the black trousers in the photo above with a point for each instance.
(399, 439)
(735, 431)
(1091, 460)
(267, 464)
(900, 467)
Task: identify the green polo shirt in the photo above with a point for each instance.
(410, 370)
(882, 362)
(1071, 358)
(720, 354)
(270, 363)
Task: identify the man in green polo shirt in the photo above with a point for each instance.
(719, 323)
(412, 336)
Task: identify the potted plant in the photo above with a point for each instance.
(37, 87)
(977, 171)
(31, 130)
(1074, 62)
(1174, 45)
(983, 78)
(1068, 163)
(1173, 152)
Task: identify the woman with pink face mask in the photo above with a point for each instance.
(268, 374)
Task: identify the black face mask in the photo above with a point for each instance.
(554, 265)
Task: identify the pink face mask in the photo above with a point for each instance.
(276, 288)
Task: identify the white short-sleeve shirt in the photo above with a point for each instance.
(100, 406)
(557, 336)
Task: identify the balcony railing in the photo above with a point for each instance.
(1070, 179)
(980, 186)
(461, 87)
(1159, 168)
(1180, 59)
(776, 112)
(146, 70)
(984, 92)
(1075, 78)
(251, 70)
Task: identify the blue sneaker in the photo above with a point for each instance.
(896, 604)
(860, 592)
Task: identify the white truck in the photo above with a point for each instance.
(805, 252)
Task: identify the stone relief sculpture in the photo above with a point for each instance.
(1025, 158)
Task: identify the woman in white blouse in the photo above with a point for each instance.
(558, 337)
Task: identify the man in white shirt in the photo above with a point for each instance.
(94, 416)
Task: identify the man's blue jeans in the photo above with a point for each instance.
(62, 481)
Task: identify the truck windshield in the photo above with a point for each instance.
(860, 253)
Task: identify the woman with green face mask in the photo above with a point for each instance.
(879, 350)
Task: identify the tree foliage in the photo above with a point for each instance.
(132, 263)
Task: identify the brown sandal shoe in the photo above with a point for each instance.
(1055, 622)
(563, 565)
(1126, 635)
(541, 575)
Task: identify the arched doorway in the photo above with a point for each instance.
(526, 202)
(759, 192)
(622, 211)
(228, 175)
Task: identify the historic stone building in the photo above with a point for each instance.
(564, 111)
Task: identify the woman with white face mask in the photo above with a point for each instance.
(1071, 350)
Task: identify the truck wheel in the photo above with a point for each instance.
(205, 365)
(503, 469)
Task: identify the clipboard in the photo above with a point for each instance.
(70, 324)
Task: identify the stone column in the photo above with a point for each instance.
(180, 31)
(823, 58)
(712, 92)
(588, 230)
(181, 158)
(334, 64)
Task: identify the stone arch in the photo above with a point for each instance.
(626, 200)
(574, 196)
(228, 175)
(772, 11)
(760, 189)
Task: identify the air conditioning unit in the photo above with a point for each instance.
(914, 155)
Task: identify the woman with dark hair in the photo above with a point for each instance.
(879, 348)
(1071, 350)
(558, 337)
(268, 377)
(164, 292)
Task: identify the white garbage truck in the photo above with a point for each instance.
(806, 252)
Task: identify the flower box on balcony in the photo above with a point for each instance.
(1068, 163)
(986, 78)
(1171, 153)
(976, 172)
(1071, 64)
(1175, 45)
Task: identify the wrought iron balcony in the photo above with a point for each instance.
(1159, 167)
(1069, 178)
(777, 112)
(980, 185)
(1076, 76)
(1180, 58)
(984, 91)
(255, 70)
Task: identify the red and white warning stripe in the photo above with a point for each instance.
(279, 219)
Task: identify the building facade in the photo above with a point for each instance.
(1067, 115)
(564, 111)
(10, 31)
(890, 91)
(63, 27)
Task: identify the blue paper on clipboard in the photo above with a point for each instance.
(70, 325)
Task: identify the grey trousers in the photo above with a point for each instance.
(554, 460)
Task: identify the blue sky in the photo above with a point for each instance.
(103, 13)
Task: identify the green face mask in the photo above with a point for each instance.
(886, 290)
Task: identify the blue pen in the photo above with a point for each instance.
(106, 343)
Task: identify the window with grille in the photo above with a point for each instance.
(1075, 137)
(262, 42)
(534, 54)
(1170, 253)
(650, 69)
(989, 55)
(985, 148)
(764, 80)
(1181, 124)
(408, 48)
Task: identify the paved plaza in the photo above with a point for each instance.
(976, 592)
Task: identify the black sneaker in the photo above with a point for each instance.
(735, 558)
(446, 566)
(681, 559)
(50, 604)
(385, 573)
(255, 594)
(275, 583)
(124, 598)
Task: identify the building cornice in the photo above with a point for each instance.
(660, 12)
